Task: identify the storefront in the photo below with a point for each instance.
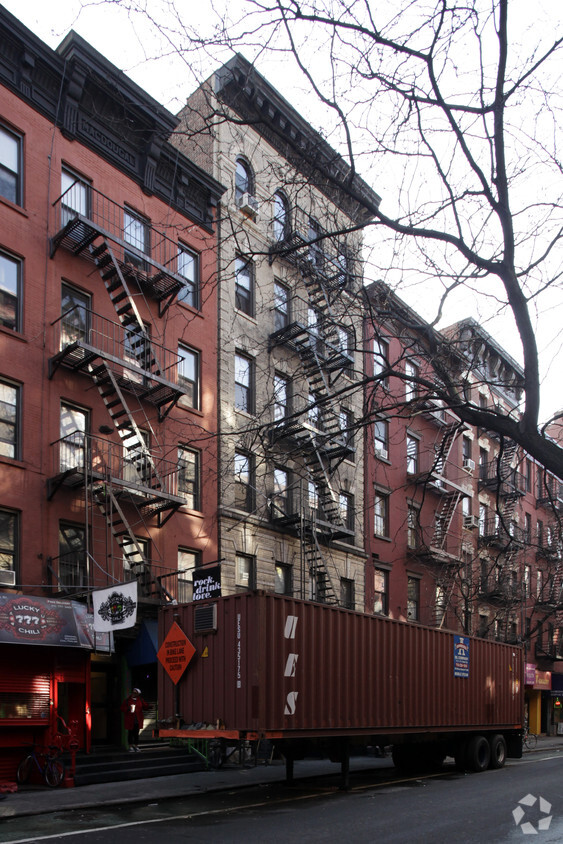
(557, 704)
(45, 649)
(537, 699)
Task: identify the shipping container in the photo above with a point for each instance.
(269, 666)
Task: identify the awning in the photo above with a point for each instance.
(30, 620)
(143, 650)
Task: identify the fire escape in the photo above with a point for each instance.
(128, 487)
(441, 546)
(501, 534)
(315, 435)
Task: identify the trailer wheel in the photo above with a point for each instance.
(498, 751)
(478, 754)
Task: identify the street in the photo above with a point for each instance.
(448, 807)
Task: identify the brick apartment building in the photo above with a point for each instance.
(462, 527)
(108, 367)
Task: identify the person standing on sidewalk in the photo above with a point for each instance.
(133, 718)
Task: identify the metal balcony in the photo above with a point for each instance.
(79, 459)
(510, 481)
(147, 369)
(154, 269)
(499, 590)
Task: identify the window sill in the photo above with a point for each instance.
(382, 538)
(18, 208)
(16, 335)
(243, 314)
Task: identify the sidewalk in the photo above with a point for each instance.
(37, 800)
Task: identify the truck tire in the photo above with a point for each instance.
(498, 751)
(478, 754)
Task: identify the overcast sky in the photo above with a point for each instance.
(169, 79)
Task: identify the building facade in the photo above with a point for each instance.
(291, 460)
(107, 378)
(462, 527)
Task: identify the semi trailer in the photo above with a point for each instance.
(309, 677)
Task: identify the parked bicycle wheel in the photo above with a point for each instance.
(530, 741)
(54, 772)
(24, 770)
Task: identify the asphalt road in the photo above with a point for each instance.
(451, 807)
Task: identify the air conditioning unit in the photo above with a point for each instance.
(469, 465)
(248, 204)
(7, 577)
(382, 453)
(471, 522)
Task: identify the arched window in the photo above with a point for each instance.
(243, 180)
(281, 217)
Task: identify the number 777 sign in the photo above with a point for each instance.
(175, 652)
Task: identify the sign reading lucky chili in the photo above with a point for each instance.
(175, 652)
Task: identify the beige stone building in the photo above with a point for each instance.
(290, 356)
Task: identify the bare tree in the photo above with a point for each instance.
(454, 107)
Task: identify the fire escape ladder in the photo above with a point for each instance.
(137, 452)
(134, 559)
(505, 463)
(318, 569)
(320, 477)
(443, 446)
(444, 517)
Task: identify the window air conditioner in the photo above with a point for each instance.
(248, 204)
(469, 465)
(7, 577)
(470, 522)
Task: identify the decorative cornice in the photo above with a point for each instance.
(91, 101)
(239, 85)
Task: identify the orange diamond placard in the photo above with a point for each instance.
(175, 652)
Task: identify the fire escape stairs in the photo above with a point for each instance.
(318, 568)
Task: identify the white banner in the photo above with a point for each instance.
(115, 608)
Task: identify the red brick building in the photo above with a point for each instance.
(108, 403)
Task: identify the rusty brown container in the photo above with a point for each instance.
(272, 664)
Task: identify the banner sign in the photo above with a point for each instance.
(115, 608)
(461, 656)
(206, 583)
(47, 621)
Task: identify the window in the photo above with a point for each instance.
(412, 455)
(9, 420)
(346, 509)
(346, 418)
(380, 361)
(75, 196)
(412, 526)
(244, 481)
(188, 476)
(73, 427)
(314, 329)
(281, 306)
(137, 351)
(313, 500)
(381, 514)
(284, 579)
(281, 217)
(281, 396)
(280, 500)
(244, 383)
(188, 375)
(527, 580)
(187, 562)
(244, 286)
(75, 310)
(243, 181)
(528, 475)
(483, 461)
(10, 292)
(314, 415)
(466, 446)
(188, 268)
(245, 571)
(483, 515)
(539, 529)
(136, 234)
(527, 527)
(381, 591)
(539, 583)
(137, 462)
(135, 557)
(381, 438)
(72, 556)
(411, 376)
(10, 166)
(316, 254)
(347, 593)
(413, 598)
(9, 541)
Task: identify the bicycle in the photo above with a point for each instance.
(52, 769)
(530, 740)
